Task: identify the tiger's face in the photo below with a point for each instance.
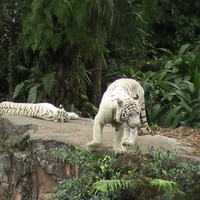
(62, 115)
(129, 111)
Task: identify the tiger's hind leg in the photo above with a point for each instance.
(130, 135)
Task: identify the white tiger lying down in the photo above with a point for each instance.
(44, 111)
(122, 104)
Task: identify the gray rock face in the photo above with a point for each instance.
(26, 173)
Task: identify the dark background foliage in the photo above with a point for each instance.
(67, 52)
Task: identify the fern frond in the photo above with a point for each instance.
(61, 10)
(110, 186)
(48, 82)
(159, 185)
(33, 94)
(80, 13)
(55, 41)
(166, 186)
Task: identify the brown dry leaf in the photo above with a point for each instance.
(186, 134)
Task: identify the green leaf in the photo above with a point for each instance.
(170, 116)
(32, 95)
(169, 96)
(167, 86)
(197, 49)
(18, 90)
(159, 76)
(178, 61)
(186, 105)
(183, 49)
(157, 114)
(183, 95)
(133, 170)
(169, 64)
(21, 68)
(48, 82)
(187, 86)
(166, 51)
(197, 84)
(196, 62)
(177, 120)
(178, 79)
(187, 77)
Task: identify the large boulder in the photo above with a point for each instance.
(27, 173)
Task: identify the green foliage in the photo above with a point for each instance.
(93, 168)
(166, 165)
(158, 175)
(89, 162)
(160, 162)
(104, 177)
(9, 49)
(38, 87)
(172, 93)
(70, 38)
(180, 20)
(158, 186)
(75, 188)
(8, 144)
(112, 186)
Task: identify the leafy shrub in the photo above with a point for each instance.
(159, 175)
(37, 87)
(104, 177)
(166, 165)
(178, 24)
(136, 187)
(172, 93)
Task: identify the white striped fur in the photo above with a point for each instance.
(122, 105)
(44, 111)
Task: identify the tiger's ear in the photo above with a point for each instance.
(136, 97)
(120, 102)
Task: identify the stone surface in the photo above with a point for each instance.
(79, 132)
(34, 177)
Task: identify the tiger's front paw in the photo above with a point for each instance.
(119, 150)
(93, 145)
(127, 142)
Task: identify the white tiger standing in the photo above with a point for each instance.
(122, 103)
(44, 111)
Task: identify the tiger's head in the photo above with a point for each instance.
(62, 115)
(129, 111)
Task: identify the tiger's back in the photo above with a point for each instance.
(125, 88)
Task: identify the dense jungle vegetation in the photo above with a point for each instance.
(68, 51)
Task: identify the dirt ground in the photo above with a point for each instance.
(78, 132)
(190, 136)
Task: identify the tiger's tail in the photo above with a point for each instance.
(146, 129)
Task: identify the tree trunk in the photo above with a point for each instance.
(94, 90)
